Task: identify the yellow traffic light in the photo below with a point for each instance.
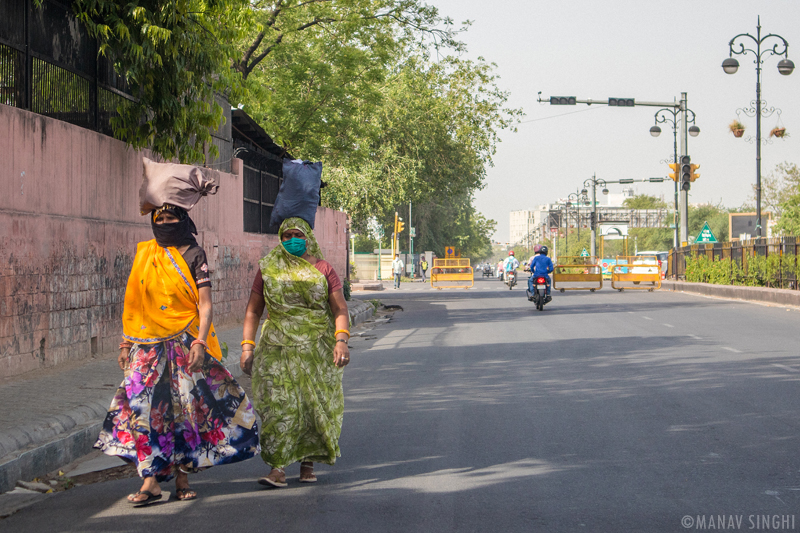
(675, 171)
(693, 175)
(400, 226)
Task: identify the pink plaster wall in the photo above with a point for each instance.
(69, 224)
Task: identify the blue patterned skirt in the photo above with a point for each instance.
(163, 416)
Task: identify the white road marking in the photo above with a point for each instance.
(647, 318)
(734, 350)
(784, 367)
(669, 325)
(694, 337)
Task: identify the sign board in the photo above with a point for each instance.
(739, 223)
(705, 235)
(413, 231)
(584, 253)
(449, 252)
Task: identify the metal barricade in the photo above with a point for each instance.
(576, 269)
(641, 271)
(452, 274)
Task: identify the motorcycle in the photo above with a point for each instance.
(539, 295)
(511, 279)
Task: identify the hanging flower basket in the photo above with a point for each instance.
(780, 133)
(737, 128)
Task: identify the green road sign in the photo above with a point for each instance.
(705, 235)
(584, 253)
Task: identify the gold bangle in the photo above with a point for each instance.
(248, 342)
(342, 331)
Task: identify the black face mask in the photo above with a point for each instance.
(175, 234)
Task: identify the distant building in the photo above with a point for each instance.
(528, 227)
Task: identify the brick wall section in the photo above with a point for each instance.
(69, 225)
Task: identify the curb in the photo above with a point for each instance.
(360, 312)
(72, 436)
(753, 294)
(32, 451)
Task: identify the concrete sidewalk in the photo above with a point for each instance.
(51, 417)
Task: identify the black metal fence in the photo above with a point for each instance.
(762, 262)
(49, 65)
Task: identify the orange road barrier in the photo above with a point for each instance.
(452, 274)
(583, 271)
(640, 272)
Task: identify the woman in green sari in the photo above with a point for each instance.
(297, 365)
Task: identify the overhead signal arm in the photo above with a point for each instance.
(613, 102)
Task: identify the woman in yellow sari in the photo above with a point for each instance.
(178, 410)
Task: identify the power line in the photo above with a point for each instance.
(561, 115)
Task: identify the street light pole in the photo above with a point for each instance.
(687, 117)
(593, 183)
(785, 67)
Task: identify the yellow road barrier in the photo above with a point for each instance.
(641, 271)
(452, 274)
(583, 271)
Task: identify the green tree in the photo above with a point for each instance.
(715, 215)
(644, 201)
(175, 55)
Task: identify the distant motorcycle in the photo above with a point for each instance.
(539, 295)
(511, 279)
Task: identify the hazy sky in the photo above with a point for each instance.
(643, 49)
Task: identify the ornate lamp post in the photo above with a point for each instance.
(593, 183)
(662, 117)
(785, 67)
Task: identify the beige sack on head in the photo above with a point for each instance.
(171, 183)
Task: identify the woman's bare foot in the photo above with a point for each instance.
(276, 478)
(182, 490)
(149, 485)
(307, 472)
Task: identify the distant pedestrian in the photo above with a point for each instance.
(397, 268)
(424, 267)
(178, 410)
(298, 364)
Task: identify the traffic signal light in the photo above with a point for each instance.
(675, 171)
(692, 174)
(563, 100)
(400, 226)
(686, 172)
(621, 102)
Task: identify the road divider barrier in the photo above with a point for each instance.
(576, 273)
(452, 274)
(640, 272)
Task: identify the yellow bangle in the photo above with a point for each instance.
(248, 342)
(342, 331)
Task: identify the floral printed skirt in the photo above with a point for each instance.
(163, 416)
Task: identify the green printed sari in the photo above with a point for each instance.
(296, 387)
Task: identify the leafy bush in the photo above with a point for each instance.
(760, 271)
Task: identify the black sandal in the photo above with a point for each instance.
(151, 498)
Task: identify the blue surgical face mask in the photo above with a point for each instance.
(295, 246)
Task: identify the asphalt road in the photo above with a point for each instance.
(472, 411)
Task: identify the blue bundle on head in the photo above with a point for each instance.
(299, 194)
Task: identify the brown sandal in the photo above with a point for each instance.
(309, 477)
(276, 478)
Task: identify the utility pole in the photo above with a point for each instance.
(410, 241)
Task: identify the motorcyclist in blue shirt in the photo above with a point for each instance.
(540, 265)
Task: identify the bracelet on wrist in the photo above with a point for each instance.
(125, 344)
(342, 340)
(199, 341)
(253, 343)
(342, 331)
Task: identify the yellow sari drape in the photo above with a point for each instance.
(161, 299)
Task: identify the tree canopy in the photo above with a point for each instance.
(373, 88)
